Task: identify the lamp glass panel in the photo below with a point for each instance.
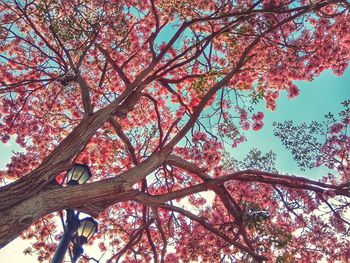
(79, 173)
(87, 229)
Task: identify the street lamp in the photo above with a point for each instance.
(87, 228)
(78, 174)
(82, 230)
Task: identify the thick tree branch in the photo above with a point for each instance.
(118, 129)
(103, 194)
(85, 95)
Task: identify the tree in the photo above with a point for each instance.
(150, 94)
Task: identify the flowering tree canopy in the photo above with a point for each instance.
(154, 95)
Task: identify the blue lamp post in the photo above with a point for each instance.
(87, 228)
(75, 230)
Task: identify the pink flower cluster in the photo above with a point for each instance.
(257, 125)
(257, 118)
(5, 138)
(270, 98)
(199, 136)
(293, 91)
(238, 141)
(336, 128)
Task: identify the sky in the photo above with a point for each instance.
(324, 94)
(316, 98)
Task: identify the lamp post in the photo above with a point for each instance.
(72, 224)
(75, 230)
(87, 228)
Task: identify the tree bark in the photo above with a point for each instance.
(93, 198)
(101, 194)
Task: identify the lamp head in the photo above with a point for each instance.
(88, 227)
(78, 174)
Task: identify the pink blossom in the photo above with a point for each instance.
(258, 125)
(336, 128)
(258, 116)
(244, 115)
(180, 112)
(270, 104)
(245, 125)
(241, 139)
(274, 95)
(5, 138)
(293, 92)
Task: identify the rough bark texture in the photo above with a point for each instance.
(100, 195)
(93, 198)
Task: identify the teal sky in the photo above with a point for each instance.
(324, 94)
